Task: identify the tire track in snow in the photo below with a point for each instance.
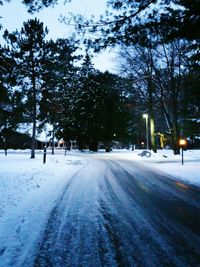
(75, 234)
(111, 215)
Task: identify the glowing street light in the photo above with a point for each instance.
(182, 144)
(145, 116)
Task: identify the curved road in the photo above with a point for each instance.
(120, 213)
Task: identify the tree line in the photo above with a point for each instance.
(42, 83)
(166, 86)
(158, 44)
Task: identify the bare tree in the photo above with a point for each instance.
(138, 65)
(158, 75)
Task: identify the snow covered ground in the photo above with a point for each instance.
(166, 161)
(20, 176)
(29, 189)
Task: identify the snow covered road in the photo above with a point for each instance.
(118, 213)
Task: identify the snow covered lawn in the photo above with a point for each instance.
(29, 187)
(166, 161)
(189, 172)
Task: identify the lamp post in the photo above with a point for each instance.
(44, 154)
(182, 143)
(145, 116)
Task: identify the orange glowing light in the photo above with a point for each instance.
(182, 185)
(182, 142)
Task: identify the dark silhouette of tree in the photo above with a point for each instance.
(58, 76)
(11, 107)
(144, 19)
(35, 5)
(27, 49)
(147, 22)
(80, 101)
(94, 109)
(114, 114)
(190, 104)
(159, 76)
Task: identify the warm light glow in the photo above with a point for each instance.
(145, 116)
(182, 142)
(182, 185)
(142, 143)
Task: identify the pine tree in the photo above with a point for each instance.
(27, 48)
(97, 110)
(82, 108)
(10, 98)
(58, 76)
(35, 5)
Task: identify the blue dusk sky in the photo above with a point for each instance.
(15, 13)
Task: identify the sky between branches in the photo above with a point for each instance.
(15, 13)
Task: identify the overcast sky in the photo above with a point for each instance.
(14, 14)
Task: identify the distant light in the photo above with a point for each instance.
(182, 142)
(142, 143)
(145, 116)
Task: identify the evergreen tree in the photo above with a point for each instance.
(27, 48)
(82, 99)
(96, 110)
(142, 19)
(35, 5)
(114, 115)
(146, 22)
(10, 98)
(58, 76)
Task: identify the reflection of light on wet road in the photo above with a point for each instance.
(182, 185)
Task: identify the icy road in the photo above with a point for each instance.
(119, 213)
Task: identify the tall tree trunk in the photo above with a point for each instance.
(107, 145)
(53, 143)
(34, 116)
(174, 103)
(175, 132)
(5, 145)
(93, 145)
(80, 143)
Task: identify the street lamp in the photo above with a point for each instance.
(182, 144)
(145, 116)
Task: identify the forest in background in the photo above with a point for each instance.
(158, 73)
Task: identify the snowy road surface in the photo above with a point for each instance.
(119, 213)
